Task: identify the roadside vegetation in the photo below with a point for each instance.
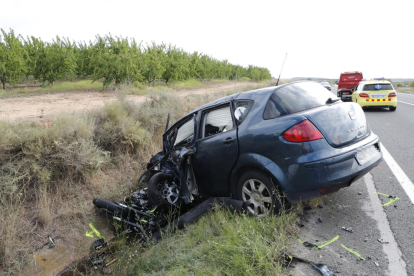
(50, 174)
(220, 243)
(405, 87)
(110, 60)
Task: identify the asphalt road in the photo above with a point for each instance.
(361, 208)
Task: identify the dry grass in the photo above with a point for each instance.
(407, 89)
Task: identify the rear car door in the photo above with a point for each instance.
(216, 151)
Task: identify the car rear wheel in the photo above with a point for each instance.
(162, 189)
(393, 108)
(259, 194)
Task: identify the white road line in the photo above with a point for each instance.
(373, 208)
(405, 182)
(405, 102)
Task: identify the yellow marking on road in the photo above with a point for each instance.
(353, 252)
(391, 201)
(325, 244)
(90, 234)
(319, 246)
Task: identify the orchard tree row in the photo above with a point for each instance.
(113, 59)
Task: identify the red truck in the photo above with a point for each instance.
(348, 81)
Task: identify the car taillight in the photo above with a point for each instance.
(363, 95)
(302, 132)
(393, 94)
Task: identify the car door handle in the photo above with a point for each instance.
(229, 140)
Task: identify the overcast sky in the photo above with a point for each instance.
(322, 38)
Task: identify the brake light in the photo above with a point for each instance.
(302, 132)
(393, 94)
(363, 95)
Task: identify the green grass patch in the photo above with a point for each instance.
(220, 243)
(60, 86)
(192, 83)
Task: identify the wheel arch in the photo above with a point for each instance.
(258, 163)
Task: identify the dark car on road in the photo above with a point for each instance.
(326, 85)
(293, 142)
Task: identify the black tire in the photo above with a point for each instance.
(393, 108)
(257, 202)
(155, 188)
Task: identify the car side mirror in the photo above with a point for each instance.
(238, 113)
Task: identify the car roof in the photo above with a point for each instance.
(248, 95)
(262, 94)
(375, 82)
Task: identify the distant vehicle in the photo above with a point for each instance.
(375, 93)
(326, 85)
(348, 82)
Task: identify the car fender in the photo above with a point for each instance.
(253, 161)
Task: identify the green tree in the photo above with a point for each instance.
(116, 60)
(83, 55)
(177, 65)
(52, 61)
(153, 66)
(13, 57)
(400, 84)
(411, 84)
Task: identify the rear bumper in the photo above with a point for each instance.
(364, 102)
(331, 174)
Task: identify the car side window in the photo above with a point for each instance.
(185, 133)
(217, 121)
(359, 88)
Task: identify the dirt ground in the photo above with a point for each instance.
(44, 106)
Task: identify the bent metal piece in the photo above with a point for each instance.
(187, 218)
(321, 267)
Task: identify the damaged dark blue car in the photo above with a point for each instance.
(295, 141)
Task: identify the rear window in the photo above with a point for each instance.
(378, 86)
(294, 98)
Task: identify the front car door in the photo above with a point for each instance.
(216, 151)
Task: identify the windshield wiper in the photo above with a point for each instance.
(329, 101)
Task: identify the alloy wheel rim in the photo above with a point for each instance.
(257, 197)
(168, 191)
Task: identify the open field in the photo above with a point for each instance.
(42, 107)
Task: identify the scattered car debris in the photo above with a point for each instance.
(359, 193)
(319, 220)
(323, 269)
(308, 244)
(51, 242)
(111, 262)
(382, 241)
(350, 230)
(97, 244)
(376, 263)
(147, 223)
